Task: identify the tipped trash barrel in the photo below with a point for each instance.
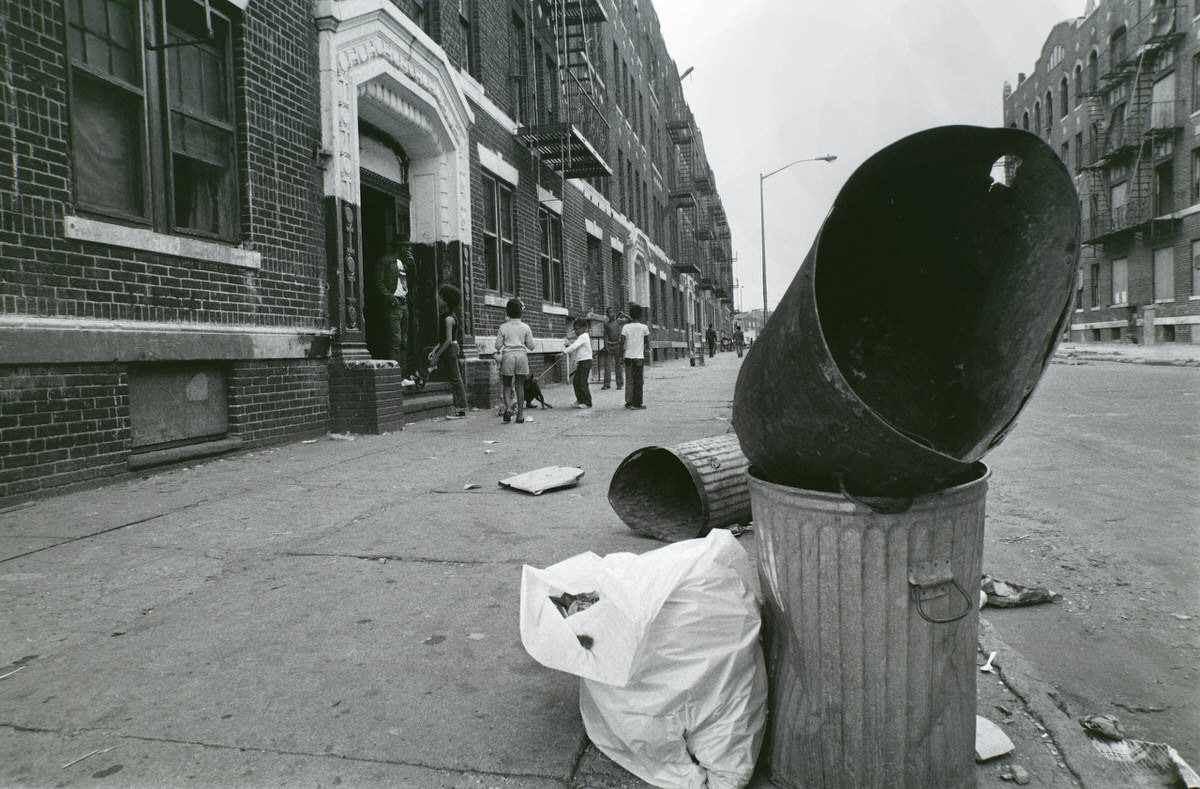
(920, 321)
(681, 492)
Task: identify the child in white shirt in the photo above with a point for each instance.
(581, 354)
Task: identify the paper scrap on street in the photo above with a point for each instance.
(1149, 763)
(541, 480)
(990, 740)
(1005, 594)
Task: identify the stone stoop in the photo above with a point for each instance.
(433, 401)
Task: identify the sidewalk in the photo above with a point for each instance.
(1169, 353)
(340, 611)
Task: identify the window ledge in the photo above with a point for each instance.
(554, 309)
(82, 229)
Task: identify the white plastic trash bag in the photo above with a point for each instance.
(673, 681)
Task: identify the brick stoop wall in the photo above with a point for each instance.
(366, 397)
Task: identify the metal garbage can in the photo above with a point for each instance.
(681, 492)
(870, 626)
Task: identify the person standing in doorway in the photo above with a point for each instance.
(385, 292)
(633, 352)
(711, 337)
(612, 341)
(581, 354)
(446, 355)
(514, 341)
(739, 339)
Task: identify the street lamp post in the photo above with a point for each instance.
(762, 218)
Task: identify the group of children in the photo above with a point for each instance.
(514, 341)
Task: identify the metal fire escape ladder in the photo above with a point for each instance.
(572, 142)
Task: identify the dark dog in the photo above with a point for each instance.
(534, 392)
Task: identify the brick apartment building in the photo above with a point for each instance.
(1117, 93)
(193, 192)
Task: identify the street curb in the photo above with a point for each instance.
(1042, 702)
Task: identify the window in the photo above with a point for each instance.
(118, 122)
(1164, 189)
(1064, 154)
(1049, 112)
(1195, 268)
(1164, 274)
(517, 71)
(1079, 288)
(1078, 152)
(1194, 189)
(1120, 281)
(551, 256)
(1078, 84)
(1196, 83)
(1037, 117)
(1118, 194)
(1062, 98)
(1025, 121)
(1095, 285)
(470, 46)
(500, 275)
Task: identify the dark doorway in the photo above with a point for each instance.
(385, 236)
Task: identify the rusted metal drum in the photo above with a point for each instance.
(677, 493)
(870, 627)
(921, 320)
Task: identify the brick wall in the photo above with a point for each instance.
(61, 425)
(50, 275)
(270, 400)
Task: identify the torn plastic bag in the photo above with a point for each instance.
(673, 680)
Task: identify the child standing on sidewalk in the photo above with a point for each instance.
(633, 352)
(514, 341)
(581, 353)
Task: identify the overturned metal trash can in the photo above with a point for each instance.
(870, 628)
(920, 321)
(677, 493)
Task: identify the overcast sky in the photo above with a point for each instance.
(780, 80)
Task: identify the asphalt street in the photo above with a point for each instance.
(343, 611)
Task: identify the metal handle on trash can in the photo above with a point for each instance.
(926, 577)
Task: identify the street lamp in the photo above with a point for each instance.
(762, 218)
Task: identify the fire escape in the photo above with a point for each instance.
(683, 197)
(570, 134)
(1131, 130)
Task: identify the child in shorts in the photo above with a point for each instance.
(514, 341)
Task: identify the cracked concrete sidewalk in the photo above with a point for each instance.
(342, 611)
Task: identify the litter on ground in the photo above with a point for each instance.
(541, 480)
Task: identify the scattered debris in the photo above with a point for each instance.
(14, 671)
(490, 441)
(1015, 773)
(1148, 762)
(310, 440)
(1182, 617)
(986, 668)
(470, 486)
(1106, 726)
(477, 636)
(1005, 594)
(568, 603)
(341, 436)
(738, 529)
(489, 451)
(541, 480)
(88, 756)
(990, 740)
